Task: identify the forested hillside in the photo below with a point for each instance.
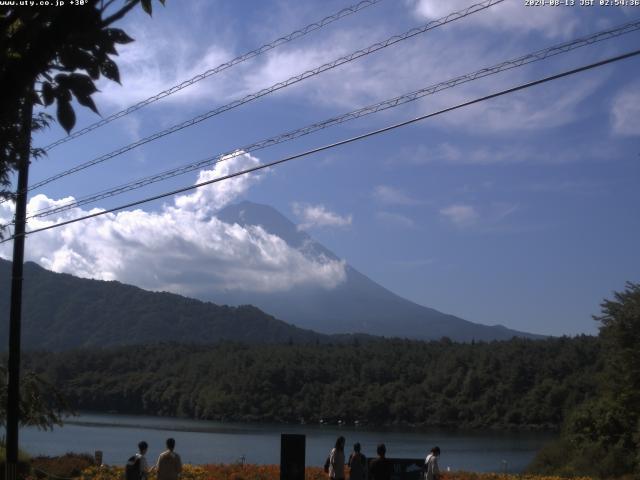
(519, 383)
(62, 312)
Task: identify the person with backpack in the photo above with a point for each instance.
(357, 464)
(169, 465)
(137, 467)
(431, 470)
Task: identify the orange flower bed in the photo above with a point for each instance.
(498, 476)
(272, 472)
(255, 472)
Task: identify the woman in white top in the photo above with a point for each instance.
(336, 460)
(431, 470)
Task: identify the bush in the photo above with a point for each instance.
(67, 466)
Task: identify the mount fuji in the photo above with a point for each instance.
(357, 305)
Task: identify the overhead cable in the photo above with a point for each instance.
(223, 66)
(278, 86)
(336, 144)
(370, 109)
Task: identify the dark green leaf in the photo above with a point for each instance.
(118, 36)
(62, 94)
(81, 85)
(47, 94)
(66, 115)
(108, 46)
(146, 6)
(110, 70)
(76, 59)
(87, 101)
(62, 80)
(93, 70)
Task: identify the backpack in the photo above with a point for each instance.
(132, 468)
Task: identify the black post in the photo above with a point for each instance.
(13, 387)
(292, 456)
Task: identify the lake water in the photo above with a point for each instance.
(200, 441)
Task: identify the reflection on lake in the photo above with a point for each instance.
(200, 441)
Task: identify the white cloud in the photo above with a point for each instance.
(477, 155)
(501, 210)
(567, 186)
(485, 154)
(392, 196)
(181, 248)
(205, 201)
(513, 16)
(381, 76)
(395, 219)
(625, 111)
(538, 109)
(347, 85)
(156, 61)
(460, 215)
(317, 216)
(488, 218)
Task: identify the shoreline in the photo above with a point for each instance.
(417, 428)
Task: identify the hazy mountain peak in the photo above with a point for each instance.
(357, 305)
(271, 220)
(250, 213)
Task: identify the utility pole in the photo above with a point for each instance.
(15, 315)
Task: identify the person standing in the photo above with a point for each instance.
(144, 466)
(431, 470)
(336, 460)
(169, 465)
(380, 468)
(357, 464)
(137, 467)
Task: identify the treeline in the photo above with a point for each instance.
(512, 384)
(601, 437)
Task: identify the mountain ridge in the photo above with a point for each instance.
(61, 311)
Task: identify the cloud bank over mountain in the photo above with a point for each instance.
(181, 248)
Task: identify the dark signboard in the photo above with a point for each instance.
(406, 468)
(292, 452)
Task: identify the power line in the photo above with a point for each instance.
(224, 66)
(280, 85)
(370, 109)
(337, 144)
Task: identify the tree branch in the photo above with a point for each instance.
(104, 6)
(120, 13)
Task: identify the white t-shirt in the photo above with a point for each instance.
(144, 466)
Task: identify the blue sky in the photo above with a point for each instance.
(521, 210)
